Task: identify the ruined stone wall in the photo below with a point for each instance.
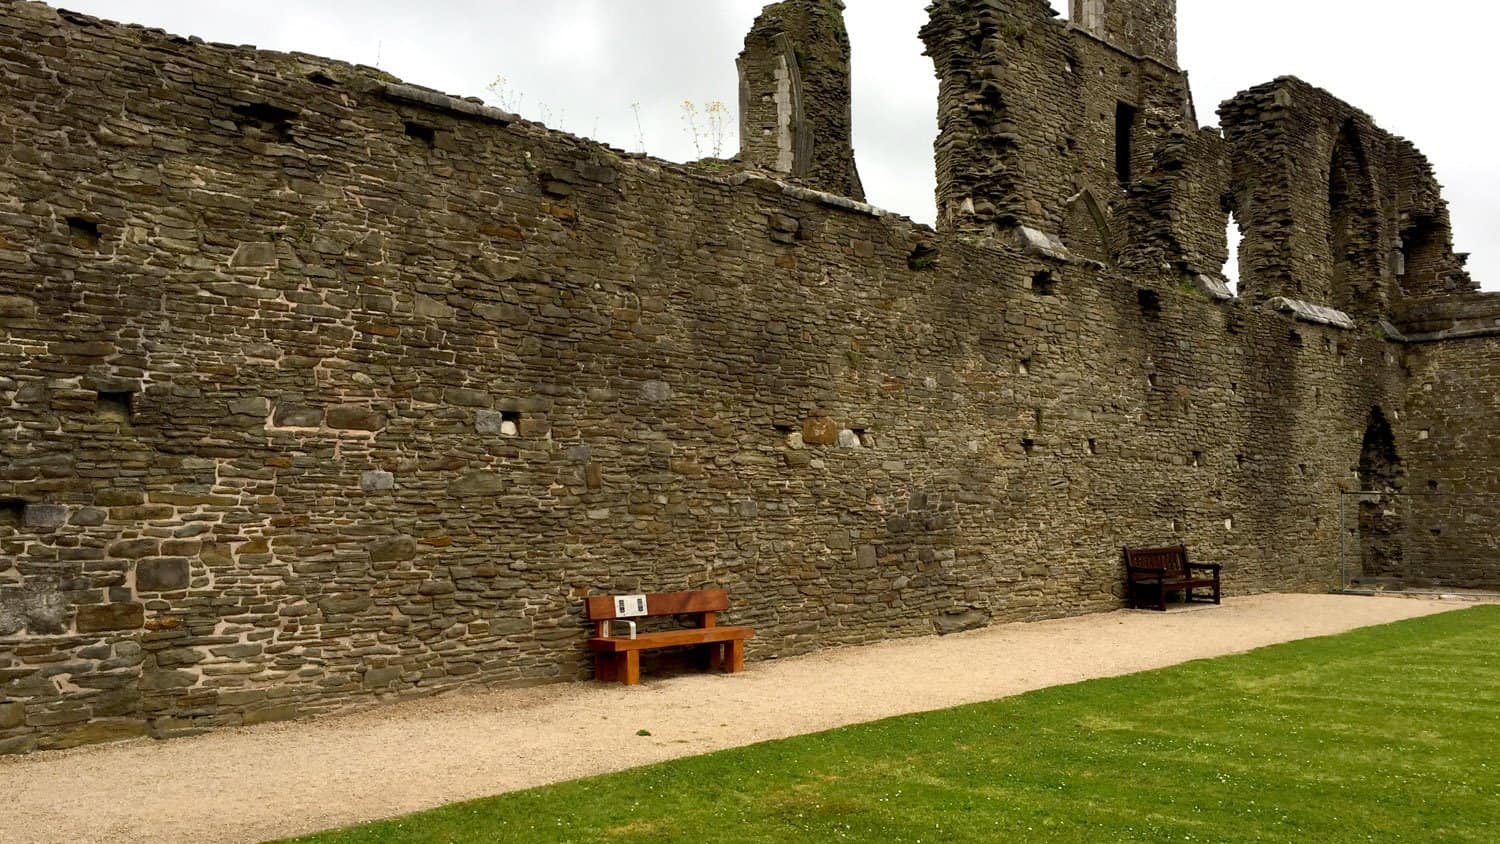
(1451, 442)
(1146, 28)
(318, 389)
(1325, 196)
(1045, 125)
(795, 100)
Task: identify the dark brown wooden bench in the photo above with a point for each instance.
(1153, 572)
(617, 645)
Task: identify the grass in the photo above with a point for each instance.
(1385, 734)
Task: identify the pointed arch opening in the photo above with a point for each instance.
(1353, 227)
(1088, 233)
(1380, 512)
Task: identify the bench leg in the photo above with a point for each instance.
(606, 667)
(1216, 590)
(632, 673)
(715, 656)
(1161, 596)
(735, 663)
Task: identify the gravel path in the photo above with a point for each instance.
(253, 784)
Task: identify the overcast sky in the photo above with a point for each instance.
(581, 64)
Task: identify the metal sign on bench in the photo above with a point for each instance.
(627, 607)
(630, 606)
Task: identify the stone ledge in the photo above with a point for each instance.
(1216, 288)
(442, 102)
(832, 200)
(1308, 312)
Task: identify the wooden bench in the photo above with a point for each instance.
(1156, 571)
(617, 652)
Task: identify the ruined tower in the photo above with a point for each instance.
(795, 96)
(1147, 28)
(1078, 139)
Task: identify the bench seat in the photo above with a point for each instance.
(618, 658)
(1153, 572)
(670, 639)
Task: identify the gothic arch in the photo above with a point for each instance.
(1353, 226)
(1088, 234)
(1380, 508)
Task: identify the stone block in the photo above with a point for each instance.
(391, 550)
(477, 484)
(820, 430)
(467, 398)
(866, 557)
(355, 418)
(957, 621)
(162, 574)
(12, 714)
(271, 714)
(101, 618)
(44, 517)
(297, 416)
(381, 678)
(377, 481)
(345, 603)
(17, 745)
(259, 254)
(17, 307)
(132, 549)
(656, 391)
(160, 681)
(97, 731)
(89, 516)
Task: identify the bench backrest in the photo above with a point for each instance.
(1174, 560)
(602, 607)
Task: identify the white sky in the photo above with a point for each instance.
(581, 64)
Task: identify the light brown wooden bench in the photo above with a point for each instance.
(1153, 572)
(617, 656)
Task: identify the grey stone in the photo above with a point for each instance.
(1309, 312)
(391, 550)
(259, 254)
(166, 574)
(347, 603)
(957, 621)
(297, 416)
(12, 714)
(656, 391)
(476, 484)
(381, 678)
(45, 516)
(377, 481)
(488, 421)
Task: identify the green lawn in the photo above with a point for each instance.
(1385, 734)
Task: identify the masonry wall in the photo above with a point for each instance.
(1035, 116)
(1452, 442)
(1329, 202)
(318, 390)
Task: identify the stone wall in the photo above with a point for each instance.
(1045, 126)
(317, 389)
(1334, 209)
(1147, 28)
(795, 101)
(1451, 442)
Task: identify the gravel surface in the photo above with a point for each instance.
(259, 783)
